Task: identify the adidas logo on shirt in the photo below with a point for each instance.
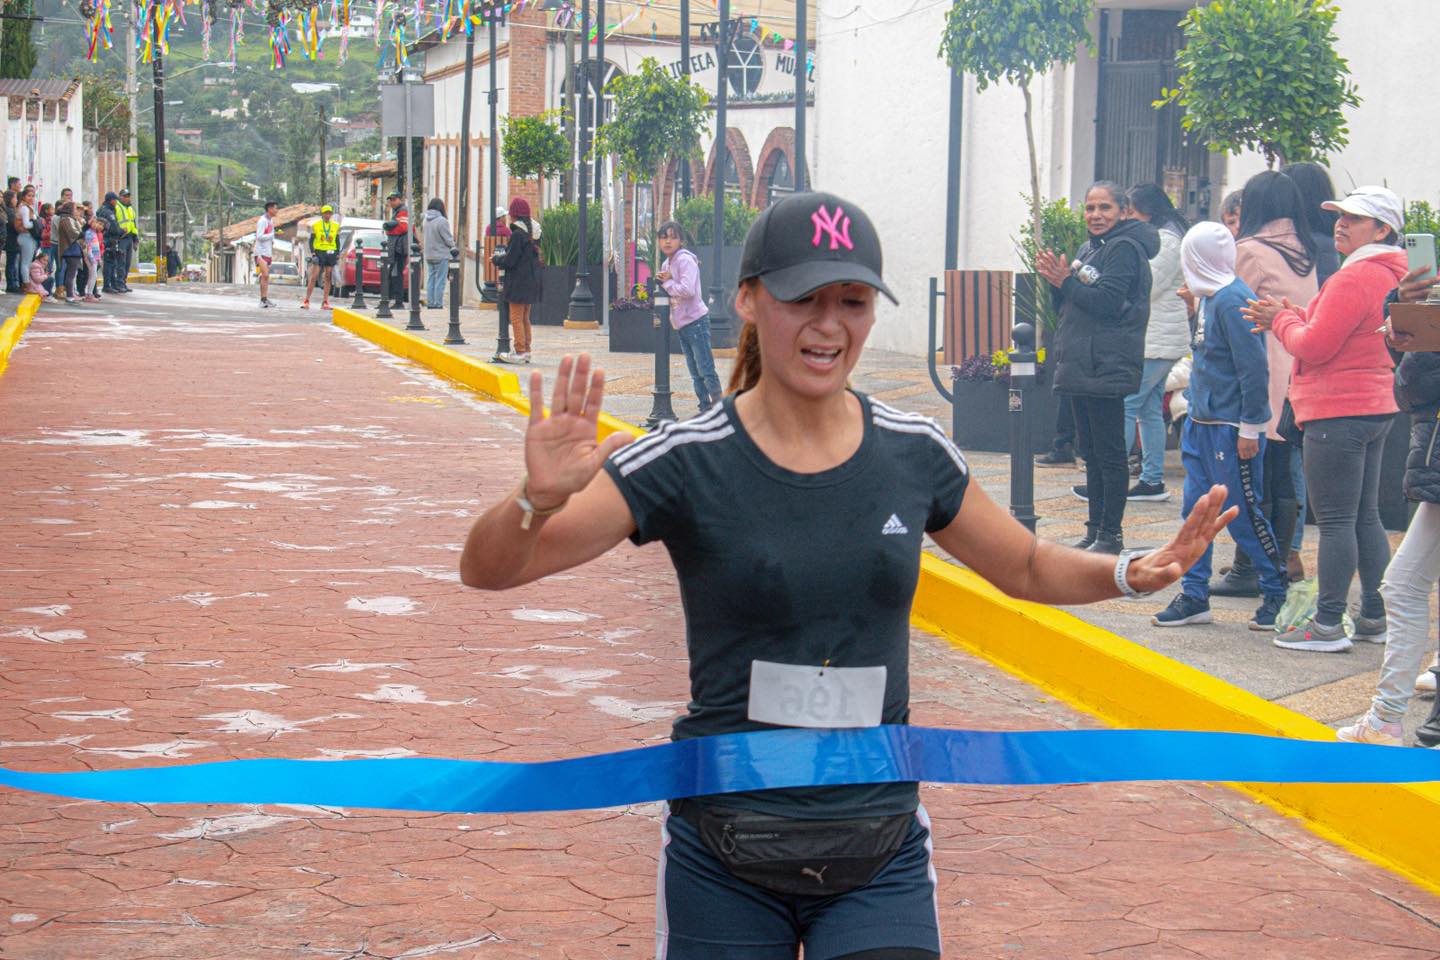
(893, 527)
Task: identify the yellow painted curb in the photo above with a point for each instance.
(1092, 669)
(494, 382)
(14, 326)
(1128, 685)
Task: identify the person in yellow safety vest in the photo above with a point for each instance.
(130, 237)
(325, 253)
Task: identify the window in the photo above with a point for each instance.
(602, 107)
(782, 180)
(745, 66)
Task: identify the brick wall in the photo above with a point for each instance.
(527, 86)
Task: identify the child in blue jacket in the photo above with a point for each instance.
(1224, 436)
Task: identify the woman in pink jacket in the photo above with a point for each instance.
(1342, 390)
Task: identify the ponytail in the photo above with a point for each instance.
(747, 359)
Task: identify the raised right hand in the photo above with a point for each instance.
(1415, 285)
(562, 455)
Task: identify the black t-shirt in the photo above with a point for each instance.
(793, 568)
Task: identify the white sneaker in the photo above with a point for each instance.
(1370, 729)
(1425, 683)
(522, 358)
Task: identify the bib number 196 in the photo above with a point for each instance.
(794, 695)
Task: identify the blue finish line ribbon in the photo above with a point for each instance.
(749, 761)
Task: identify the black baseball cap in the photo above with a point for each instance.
(811, 240)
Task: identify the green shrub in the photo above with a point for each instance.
(697, 216)
(560, 235)
(1420, 217)
(1062, 230)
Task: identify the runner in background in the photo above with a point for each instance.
(265, 250)
(324, 251)
(795, 512)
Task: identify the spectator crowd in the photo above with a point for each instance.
(1276, 323)
(68, 250)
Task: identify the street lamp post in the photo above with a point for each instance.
(462, 203)
(582, 300)
(158, 65)
(802, 90)
(494, 16)
(412, 252)
(685, 72)
(721, 332)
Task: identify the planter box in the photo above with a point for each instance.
(634, 331)
(984, 423)
(556, 285)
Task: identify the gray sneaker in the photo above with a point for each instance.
(1315, 638)
(1370, 629)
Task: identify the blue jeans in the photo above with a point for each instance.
(437, 272)
(695, 343)
(1209, 451)
(1145, 405)
(27, 253)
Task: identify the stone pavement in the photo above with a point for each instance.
(233, 534)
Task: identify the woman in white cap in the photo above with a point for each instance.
(794, 511)
(1342, 391)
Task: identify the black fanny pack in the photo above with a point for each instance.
(817, 858)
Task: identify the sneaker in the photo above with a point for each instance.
(73, 300)
(1087, 541)
(1112, 543)
(1370, 629)
(1425, 683)
(1148, 491)
(1236, 584)
(89, 299)
(325, 305)
(1371, 729)
(304, 304)
(1082, 491)
(1315, 638)
(1264, 618)
(522, 357)
(1064, 457)
(1183, 611)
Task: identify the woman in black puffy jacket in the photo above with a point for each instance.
(1104, 304)
(1414, 569)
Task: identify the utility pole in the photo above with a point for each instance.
(721, 332)
(599, 105)
(225, 276)
(158, 62)
(462, 212)
(132, 92)
(324, 129)
(685, 72)
(582, 300)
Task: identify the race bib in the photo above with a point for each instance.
(791, 695)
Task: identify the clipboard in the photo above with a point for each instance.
(1421, 320)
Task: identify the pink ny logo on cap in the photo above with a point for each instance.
(837, 225)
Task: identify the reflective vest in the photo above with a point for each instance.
(325, 235)
(125, 214)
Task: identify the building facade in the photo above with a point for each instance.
(535, 59)
(883, 122)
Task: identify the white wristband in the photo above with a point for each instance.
(1122, 569)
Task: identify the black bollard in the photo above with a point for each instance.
(415, 267)
(452, 336)
(359, 302)
(660, 407)
(1022, 460)
(382, 312)
(502, 311)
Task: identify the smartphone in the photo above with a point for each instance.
(1420, 252)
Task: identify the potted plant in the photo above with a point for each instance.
(657, 117)
(1062, 229)
(560, 253)
(982, 393)
(633, 323)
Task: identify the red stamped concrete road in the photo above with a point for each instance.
(225, 538)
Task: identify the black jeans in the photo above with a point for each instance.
(1342, 481)
(1064, 422)
(72, 267)
(1100, 439)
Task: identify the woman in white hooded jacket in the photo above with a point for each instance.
(1167, 339)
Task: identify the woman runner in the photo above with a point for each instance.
(794, 512)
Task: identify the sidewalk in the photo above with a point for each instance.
(238, 539)
(1331, 688)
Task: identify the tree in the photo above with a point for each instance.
(1014, 40)
(533, 147)
(657, 117)
(17, 50)
(1264, 74)
(107, 109)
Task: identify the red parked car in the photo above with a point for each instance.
(375, 258)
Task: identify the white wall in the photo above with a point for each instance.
(58, 157)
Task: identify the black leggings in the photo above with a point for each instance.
(1101, 440)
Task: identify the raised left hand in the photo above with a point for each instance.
(1160, 568)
